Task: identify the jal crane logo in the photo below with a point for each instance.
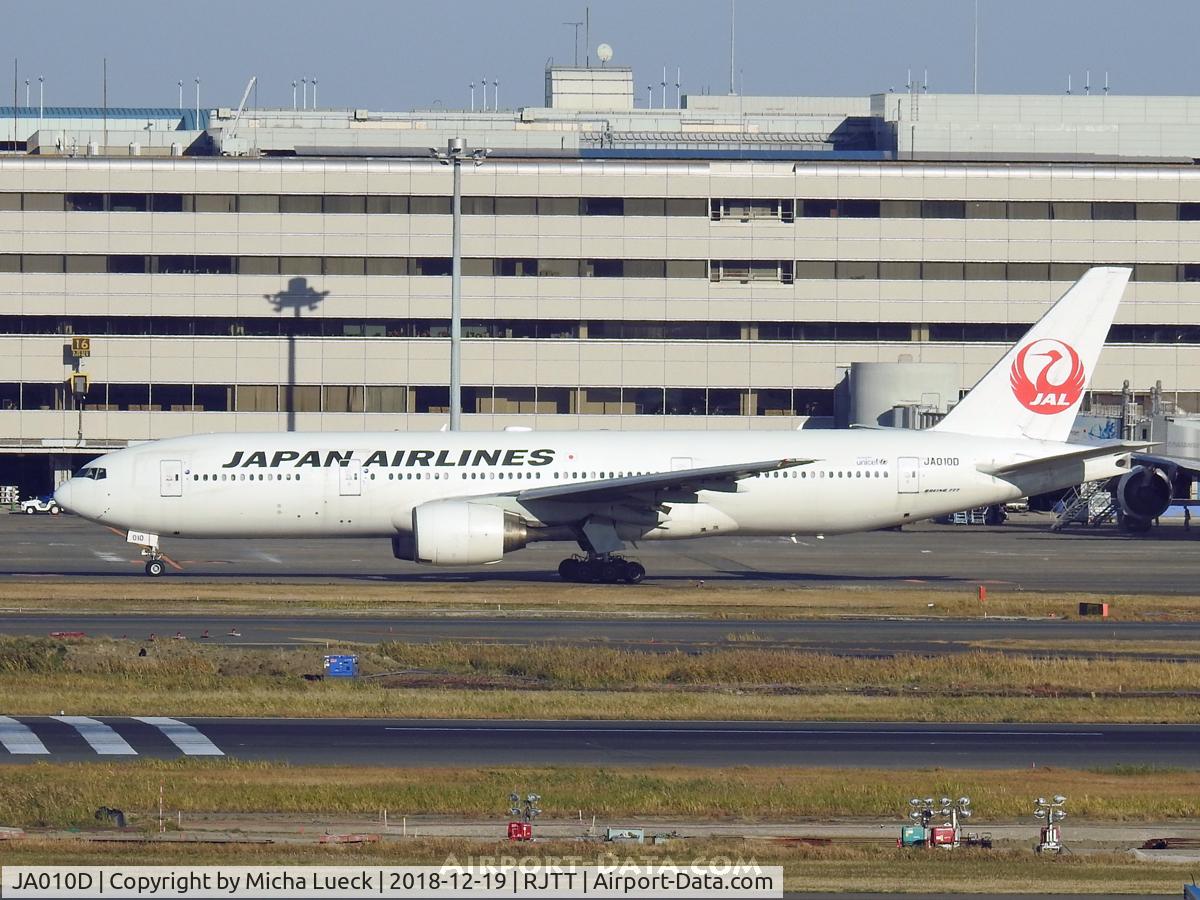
(1047, 376)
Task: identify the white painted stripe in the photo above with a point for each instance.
(101, 737)
(183, 736)
(18, 738)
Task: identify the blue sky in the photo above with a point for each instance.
(404, 55)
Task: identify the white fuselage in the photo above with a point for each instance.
(367, 484)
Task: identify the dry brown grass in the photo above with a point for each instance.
(67, 794)
(713, 601)
(102, 677)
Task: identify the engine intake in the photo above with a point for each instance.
(1144, 492)
(460, 533)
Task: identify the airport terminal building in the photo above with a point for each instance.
(718, 265)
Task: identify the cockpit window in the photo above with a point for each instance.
(95, 473)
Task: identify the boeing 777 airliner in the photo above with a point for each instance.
(462, 498)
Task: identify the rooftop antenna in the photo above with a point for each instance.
(587, 35)
(678, 95)
(975, 55)
(732, 44)
(104, 78)
(575, 46)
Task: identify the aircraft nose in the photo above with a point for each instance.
(62, 496)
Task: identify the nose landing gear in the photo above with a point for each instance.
(155, 567)
(601, 569)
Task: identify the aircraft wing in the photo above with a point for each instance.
(1003, 470)
(607, 490)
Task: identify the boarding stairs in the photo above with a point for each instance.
(1091, 503)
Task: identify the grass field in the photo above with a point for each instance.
(837, 868)
(67, 794)
(710, 601)
(102, 677)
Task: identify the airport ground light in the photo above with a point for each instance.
(1051, 812)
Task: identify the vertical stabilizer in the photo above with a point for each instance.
(1036, 388)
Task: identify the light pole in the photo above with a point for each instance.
(314, 93)
(1052, 812)
(180, 83)
(304, 91)
(41, 100)
(452, 156)
(197, 102)
(294, 83)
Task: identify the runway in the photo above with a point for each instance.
(1022, 554)
(407, 742)
(846, 636)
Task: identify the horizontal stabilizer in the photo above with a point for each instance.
(1040, 462)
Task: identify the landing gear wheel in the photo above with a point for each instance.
(634, 572)
(611, 572)
(570, 569)
(155, 567)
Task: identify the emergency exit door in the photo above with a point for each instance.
(908, 477)
(170, 478)
(351, 479)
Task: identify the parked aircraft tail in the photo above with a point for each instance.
(1035, 390)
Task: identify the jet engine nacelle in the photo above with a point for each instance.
(1144, 492)
(460, 533)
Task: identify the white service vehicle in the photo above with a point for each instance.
(463, 498)
(35, 505)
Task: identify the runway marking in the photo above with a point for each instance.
(184, 736)
(107, 557)
(864, 732)
(101, 737)
(19, 739)
(267, 557)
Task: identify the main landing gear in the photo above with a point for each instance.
(601, 569)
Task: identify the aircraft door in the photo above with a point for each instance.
(170, 478)
(350, 477)
(908, 477)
